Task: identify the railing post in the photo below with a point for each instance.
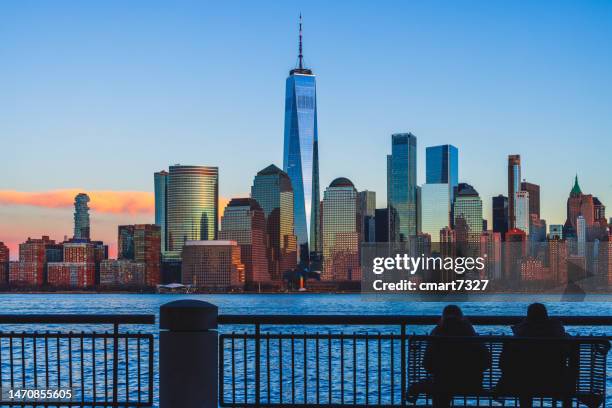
(188, 355)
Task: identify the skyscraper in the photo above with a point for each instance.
(81, 216)
(212, 264)
(467, 213)
(341, 232)
(402, 187)
(4, 263)
(161, 204)
(514, 185)
(272, 190)
(141, 243)
(367, 209)
(578, 203)
(500, 215)
(534, 197)
(442, 166)
(301, 156)
(192, 206)
(244, 221)
(581, 235)
(521, 211)
(436, 209)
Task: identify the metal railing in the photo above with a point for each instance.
(90, 368)
(356, 360)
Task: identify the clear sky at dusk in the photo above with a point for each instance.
(96, 96)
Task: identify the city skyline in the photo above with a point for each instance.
(26, 186)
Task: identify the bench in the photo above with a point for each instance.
(553, 371)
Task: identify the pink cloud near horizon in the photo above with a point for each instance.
(112, 202)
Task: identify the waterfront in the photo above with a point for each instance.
(290, 304)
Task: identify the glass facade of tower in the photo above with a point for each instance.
(442, 166)
(467, 212)
(161, 196)
(81, 217)
(192, 211)
(435, 209)
(272, 190)
(300, 158)
(401, 187)
(341, 232)
(521, 211)
(514, 185)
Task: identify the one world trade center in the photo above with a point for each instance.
(301, 156)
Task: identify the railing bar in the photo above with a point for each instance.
(115, 362)
(367, 370)
(105, 369)
(342, 368)
(35, 355)
(329, 368)
(59, 365)
(11, 361)
(244, 353)
(151, 364)
(379, 369)
(305, 372)
(269, 382)
(280, 368)
(47, 361)
(354, 369)
(139, 368)
(392, 371)
(257, 364)
(127, 369)
(93, 368)
(1, 371)
(317, 366)
(233, 370)
(292, 369)
(23, 372)
(82, 368)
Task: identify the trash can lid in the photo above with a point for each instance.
(188, 315)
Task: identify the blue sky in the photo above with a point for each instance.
(99, 95)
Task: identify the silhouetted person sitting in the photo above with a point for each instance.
(456, 367)
(537, 368)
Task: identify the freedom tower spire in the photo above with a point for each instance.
(300, 153)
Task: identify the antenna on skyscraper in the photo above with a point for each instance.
(300, 56)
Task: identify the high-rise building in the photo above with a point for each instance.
(81, 217)
(581, 235)
(31, 268)
(341, 232)
(272, 190)
(514, 185)
(521, 211)
(500, 214)
(141, 243)
(382, 225)
(599, 210)
(301, 155)
(122, 273)
(534, 197)
(367, 209)
(192, 206)
(402, 187)
(160, 180)
(579, 203)
(514, 250)
(436, 209)
(244, 221)
(213, 265)
(71, 274)
(555, 231)
(4, 263)
(442, 166)
(467, 213)
(490, 244)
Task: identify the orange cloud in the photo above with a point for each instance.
(112, 202)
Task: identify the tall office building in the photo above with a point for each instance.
(581, 235)
(491, 246)
(81, 216)
(578, 204)
(599, 210)
(244, 221)
(500, 215)
(212, 264)
(467, 213)
(402, 187)
(521, 211)
(442, 166)
(367, 209)
(301, 156)
(160, 180)
(555, 231)
(534, 197)
(382, 225)
(341, 232)
(514, 185)
(192, 206)
(31, 268)
(4, 263)
(272, 190)
(436, 209)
